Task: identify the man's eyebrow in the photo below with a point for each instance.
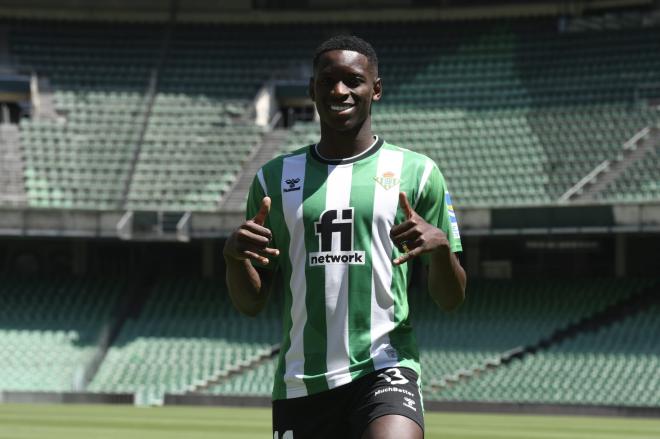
(353, 74)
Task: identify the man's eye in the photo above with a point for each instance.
(352, 82)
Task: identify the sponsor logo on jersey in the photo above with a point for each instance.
(393, 389)
(292, 182)
(450, 207)
(319, 258)
(335, 231)
(387, 180)
(452, 216)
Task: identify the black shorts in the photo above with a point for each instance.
(346, 411)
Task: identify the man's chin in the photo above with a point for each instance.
(344, 125)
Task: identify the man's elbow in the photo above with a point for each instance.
(250, 311)
(249, 308)
(448, 297)
(448, 304)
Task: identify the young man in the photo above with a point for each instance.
(340, 220)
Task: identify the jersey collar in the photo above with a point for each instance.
(378, 142)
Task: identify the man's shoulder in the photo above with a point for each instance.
(410, 155)
(277, 161)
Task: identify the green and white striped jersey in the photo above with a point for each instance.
(345, 303)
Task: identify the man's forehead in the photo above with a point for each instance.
(345, 57)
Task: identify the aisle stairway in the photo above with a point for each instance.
(635, 150)
(269, 147)
(11, 168)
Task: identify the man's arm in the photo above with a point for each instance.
(447, 279)
(249, 287)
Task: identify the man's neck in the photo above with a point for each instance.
(343, 144)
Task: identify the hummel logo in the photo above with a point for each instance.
(292, 182)
(410, 403)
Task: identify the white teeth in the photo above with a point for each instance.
(340, 107)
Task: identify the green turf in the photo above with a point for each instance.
(121, 422)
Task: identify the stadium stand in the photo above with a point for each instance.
(503, 106)
(616, 365)
(82, 159)
(49, 330)
(510, 110)
(497, 317)
(189, 338)
(514, 113)
(187, 163)
(186, 334)
(95, 150)
(201, 130)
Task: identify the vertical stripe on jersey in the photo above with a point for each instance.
(292, 207)
(276, 219)
(428, 167)
(359, 305)
(403, 339)
(315, 333)
(336, 282)
(382, 302)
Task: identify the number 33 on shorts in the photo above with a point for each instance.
(393, 376)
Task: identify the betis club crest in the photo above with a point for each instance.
(388, 180)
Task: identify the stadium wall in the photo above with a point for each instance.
(252, 401)
(442, 406)
(66, 398)
(522, 220)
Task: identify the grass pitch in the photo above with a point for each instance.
(122, 422)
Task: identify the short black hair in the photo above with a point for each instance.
(347, 42)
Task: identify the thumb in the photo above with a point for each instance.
(260, 217)
(405, 205)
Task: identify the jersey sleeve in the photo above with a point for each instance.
(255, 195)
(435, 206)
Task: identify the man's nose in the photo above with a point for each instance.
(340, 89)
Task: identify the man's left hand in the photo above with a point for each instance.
(415, 236)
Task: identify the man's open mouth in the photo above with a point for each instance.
(341, 107)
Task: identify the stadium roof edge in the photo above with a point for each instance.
(114, 12)
(549, 219)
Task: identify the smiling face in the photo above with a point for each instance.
(343, 87)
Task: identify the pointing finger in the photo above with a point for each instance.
(405, 257)
(260, 217)
(405, 205)
(257, 257)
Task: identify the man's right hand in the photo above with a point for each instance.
(251, 239)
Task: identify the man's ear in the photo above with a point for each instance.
(378, 90)
(310, 88)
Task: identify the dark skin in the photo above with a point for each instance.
(344, 78)
(343, 88)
